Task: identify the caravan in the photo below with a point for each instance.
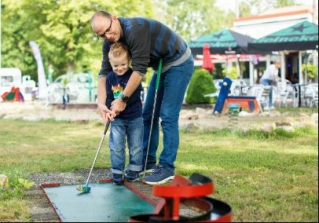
(9, 77)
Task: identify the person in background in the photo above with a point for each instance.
(127, 124)
(259, 75)
(148, 41)
(270, 78)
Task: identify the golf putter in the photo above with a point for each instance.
(153, 113)
(85, 188)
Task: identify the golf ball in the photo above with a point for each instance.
(225, 84)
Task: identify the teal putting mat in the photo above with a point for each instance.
(106, 202)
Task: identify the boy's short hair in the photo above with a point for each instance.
(118, 49)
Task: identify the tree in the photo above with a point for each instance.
(244, 9)
(15, 49)
(284, 3)
(61, 29)
(258, 6)
(190, 18)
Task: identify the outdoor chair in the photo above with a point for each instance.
(311, 95)
(283, 92)
(237, 88)
(54, 93)
(258, 91)
(73, 90)
(301, 89)
(293, 94)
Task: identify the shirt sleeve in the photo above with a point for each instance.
(138, 41)
(109, 93)
(105, 66)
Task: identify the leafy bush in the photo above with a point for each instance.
(310, 69)
(13, 185)
(201, 84)
(232, 73)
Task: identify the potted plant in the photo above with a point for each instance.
(231, 73)
(311, 70)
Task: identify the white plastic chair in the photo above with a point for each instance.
(280, 93)
(73, 90)
(311, 95)
(293, 94)
(285, 91)
(54, 93)
(265, 97)
(237, 87)
(258, 92)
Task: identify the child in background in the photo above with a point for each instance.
(128, 123)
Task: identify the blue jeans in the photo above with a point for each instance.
(133, 129)
(268, 82)
(170, 96)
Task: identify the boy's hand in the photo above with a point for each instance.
(106, 113)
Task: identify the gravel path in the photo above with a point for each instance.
(69, 178)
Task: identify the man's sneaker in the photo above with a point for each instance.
(131, 175)
(118, 179)
(149, 168)
(159, 176)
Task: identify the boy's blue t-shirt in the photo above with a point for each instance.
(115, 85)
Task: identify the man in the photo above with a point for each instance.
(270, 78)
(148, 41)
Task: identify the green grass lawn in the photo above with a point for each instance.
(263, 176)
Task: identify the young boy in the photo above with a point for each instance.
(129, 123)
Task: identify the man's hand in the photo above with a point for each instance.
(118, 106)
(105, 113)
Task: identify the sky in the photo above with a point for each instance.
(231, 4)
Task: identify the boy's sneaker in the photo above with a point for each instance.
(118, 179)
(149, 168)
(131, 175)
(159, 176)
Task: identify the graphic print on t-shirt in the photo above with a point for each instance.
(117, 90)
